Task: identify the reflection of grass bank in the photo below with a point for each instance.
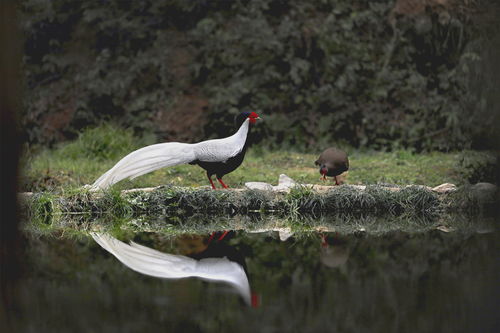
(298, 227)
(82, 161)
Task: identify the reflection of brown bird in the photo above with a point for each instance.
(335, 253)
(332, 162)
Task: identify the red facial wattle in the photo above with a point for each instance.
(253, 117)
(255, 300)
(323, 172)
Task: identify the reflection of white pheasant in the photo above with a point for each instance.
(163, 265)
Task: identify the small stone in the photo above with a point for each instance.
(444, 228)
(424, 187)
(24, 195)
(445, 188)
(359, 187)
(259, 186)
(285, 234)
(285, 183)
(285, 180)
(144, 189)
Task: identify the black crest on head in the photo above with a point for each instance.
(239, 119)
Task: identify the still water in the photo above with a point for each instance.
(432, 281)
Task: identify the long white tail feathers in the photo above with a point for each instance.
(145, 160)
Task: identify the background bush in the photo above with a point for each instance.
(378, 74)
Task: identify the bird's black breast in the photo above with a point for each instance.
(222, 168)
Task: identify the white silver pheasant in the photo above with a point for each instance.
(218, 156)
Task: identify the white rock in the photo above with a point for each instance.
(445, 188)
(259, 186)
(358, 187)
(144, 189)
(420, 186)
(284, 234)
(284, 180)
(285, 183)
(444, 228)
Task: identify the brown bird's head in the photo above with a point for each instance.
(323, 169)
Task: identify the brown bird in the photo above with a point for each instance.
(332, 162)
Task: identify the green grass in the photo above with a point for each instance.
(82, 161)
(181, 203)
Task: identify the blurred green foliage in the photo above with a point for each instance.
(102, 143)
(318, 71)
(479, 167)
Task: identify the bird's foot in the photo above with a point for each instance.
(222, 183)
(324, 243)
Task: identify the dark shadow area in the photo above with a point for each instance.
(10, 105)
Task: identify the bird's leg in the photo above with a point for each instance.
(336, 181)
(255, 300)
(221, 182)
(211, 238)
(324, 243)
(211, 182)
(223, 235)
(323, 175)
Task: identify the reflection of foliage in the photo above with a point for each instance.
(319, 71)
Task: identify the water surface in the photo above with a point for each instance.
(432, 281)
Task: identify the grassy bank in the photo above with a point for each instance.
(69, 166)
(123, 217)
(180, 201)
(182, 205)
